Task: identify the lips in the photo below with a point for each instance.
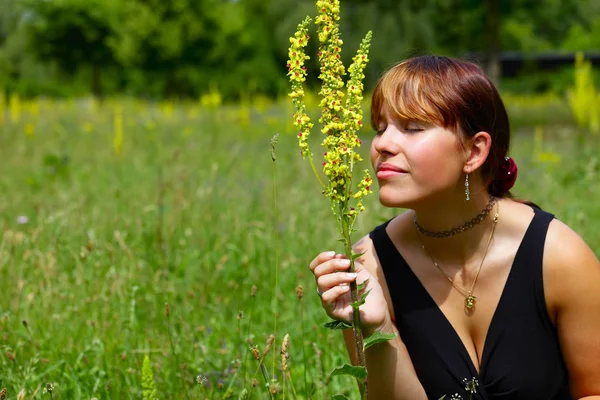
(387, 170)
(390, 167)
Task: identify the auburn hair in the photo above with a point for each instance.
(451, 93)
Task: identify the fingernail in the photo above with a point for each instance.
(330, 254)
(344, 263)
(351, 275)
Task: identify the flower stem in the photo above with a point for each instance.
(356, 326)
(312, 165)
(303, 348)
(276, 241)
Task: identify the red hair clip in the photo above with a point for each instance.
(507, 174)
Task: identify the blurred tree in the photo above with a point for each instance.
(74, 34)
(585, 34)
(185, 47)
(11, 40)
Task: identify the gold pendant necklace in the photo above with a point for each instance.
(470, 299)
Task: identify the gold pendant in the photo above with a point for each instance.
(470, 302)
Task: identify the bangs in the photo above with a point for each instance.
(413, 93)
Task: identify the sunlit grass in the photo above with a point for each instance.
(95, 242)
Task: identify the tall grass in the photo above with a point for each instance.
(94, 242)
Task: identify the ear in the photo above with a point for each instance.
(477, 150)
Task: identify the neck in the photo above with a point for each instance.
(440, 216)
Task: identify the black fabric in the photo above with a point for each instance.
(521, 356)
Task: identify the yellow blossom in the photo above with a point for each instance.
(341, 111)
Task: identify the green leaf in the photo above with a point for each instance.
(362, 286)
(362, 300)
(335, 325)
(357, 255)
(378, 337)
(338, 397)
(352, 370)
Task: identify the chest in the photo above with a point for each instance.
(507, 342)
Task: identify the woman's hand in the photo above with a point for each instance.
(333, 282)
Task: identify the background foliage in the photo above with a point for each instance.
(184, 47)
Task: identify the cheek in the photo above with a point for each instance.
(435, 161)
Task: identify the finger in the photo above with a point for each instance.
(326, 282)
(331, 296)
(328, 267)
(321, 258)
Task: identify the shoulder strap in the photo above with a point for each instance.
(384, 247)
(406, 290)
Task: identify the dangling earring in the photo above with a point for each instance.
(467, 192)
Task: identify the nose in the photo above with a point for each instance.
(385, 142)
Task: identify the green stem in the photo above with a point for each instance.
(303, 347)
(265, 374)
(356, 326)
(289, 378)
(312, 165)
(242, 367)
(276, 241)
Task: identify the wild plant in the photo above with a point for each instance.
(340, 120)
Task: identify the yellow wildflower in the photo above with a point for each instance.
(297, 74)
(341, 110)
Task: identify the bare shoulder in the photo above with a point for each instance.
(570, 265)
(571, 282)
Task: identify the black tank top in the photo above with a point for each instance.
(521, 356)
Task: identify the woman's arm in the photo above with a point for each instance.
(572, 288)
(390, 369)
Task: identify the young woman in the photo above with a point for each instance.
(483, 291)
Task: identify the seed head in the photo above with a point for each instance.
(49, 387)
(274, 388)
(253, 291)
(285, 345)
(167, 310)
(269, 344)
(299, 292)
(274, 141)
(255, 352)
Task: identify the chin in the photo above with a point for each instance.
(395, 199)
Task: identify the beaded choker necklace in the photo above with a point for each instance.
(459, 229)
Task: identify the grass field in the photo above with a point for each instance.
(113, 250)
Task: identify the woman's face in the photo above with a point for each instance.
(415, 161)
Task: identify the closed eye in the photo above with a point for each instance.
(413, 127)
(380, 130)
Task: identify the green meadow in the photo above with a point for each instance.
(133, 229)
